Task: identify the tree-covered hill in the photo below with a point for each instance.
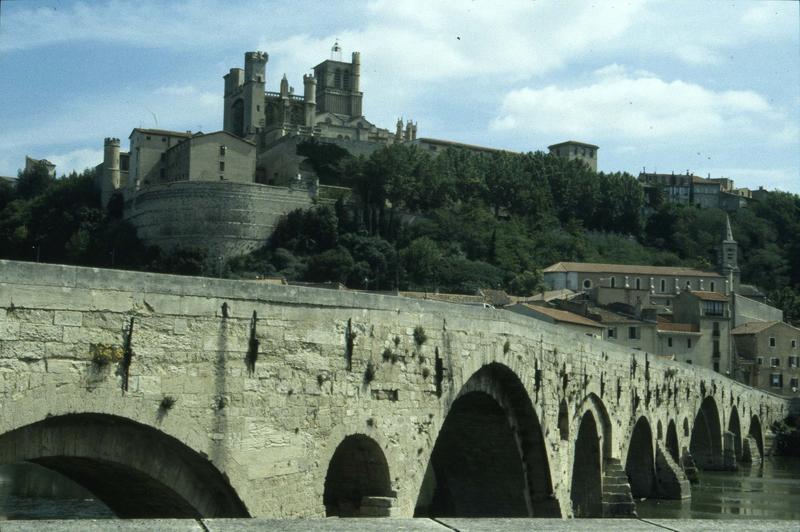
(452, 222)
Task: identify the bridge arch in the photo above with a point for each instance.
(592, 403)
(640, 460)
(706, 441)
(357, 469)
(671, 441)
(586, 491)
(136, 470)
(489, 457)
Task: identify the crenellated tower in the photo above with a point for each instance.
(338, 86)
(244, 96)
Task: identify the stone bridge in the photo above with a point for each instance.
(185, 397)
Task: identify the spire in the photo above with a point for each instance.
(728, 231)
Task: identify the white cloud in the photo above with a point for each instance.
(75, 160)
(635, 106)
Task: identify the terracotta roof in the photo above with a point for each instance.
(708, 296)
(754, 327)
(593, 267)
(564, 316)
(608, 316)
(677, 327)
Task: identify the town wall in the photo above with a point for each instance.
(224, 217)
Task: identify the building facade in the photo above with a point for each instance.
(769, 356)
(573, 149)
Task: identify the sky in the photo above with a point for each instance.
(706, 87)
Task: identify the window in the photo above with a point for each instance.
(689, 361)
(337, 78)
(688, 343)
(148, 137)
(612, 332)
(793, 362)
(715, 350)
(163, 139)
(222, 150)
(222, 166)
(689, 285)
(613, 282)
(715, 332)
(633, 333)
(774, 362)
(716, 366)
(793, 383)
(258, 108)
(760, 361)
(669, 341)
(663, 285)
(638, 284)
(713, 308)
(587, 283)
(772, 341)
(794, 344)
(776, 380)
(713, 286)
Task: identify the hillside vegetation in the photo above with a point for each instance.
(454, 222)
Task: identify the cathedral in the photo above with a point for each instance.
(261, 130)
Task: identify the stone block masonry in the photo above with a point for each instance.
(303, 402)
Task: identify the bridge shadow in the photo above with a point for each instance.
(489, 458)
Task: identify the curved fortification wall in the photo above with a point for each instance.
(226, 218)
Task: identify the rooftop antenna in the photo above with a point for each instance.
(336, 51)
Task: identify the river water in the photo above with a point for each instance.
(769, 491)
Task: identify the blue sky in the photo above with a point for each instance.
(710, 87)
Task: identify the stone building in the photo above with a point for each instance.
(769, 356)
(569, 320)
(688, 189)
(643, 286)
(31, 163)
(573, 149)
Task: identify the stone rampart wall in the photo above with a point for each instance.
(223, 217)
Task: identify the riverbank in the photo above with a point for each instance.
(390, 524)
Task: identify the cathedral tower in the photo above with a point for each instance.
(338, 85)
(244, 96)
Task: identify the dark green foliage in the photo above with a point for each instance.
(419, 335)
(326, 159)
(33, 182)
(526, 283)
(369, 372)
(167, 403)
(787, 436)
(331, 265)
